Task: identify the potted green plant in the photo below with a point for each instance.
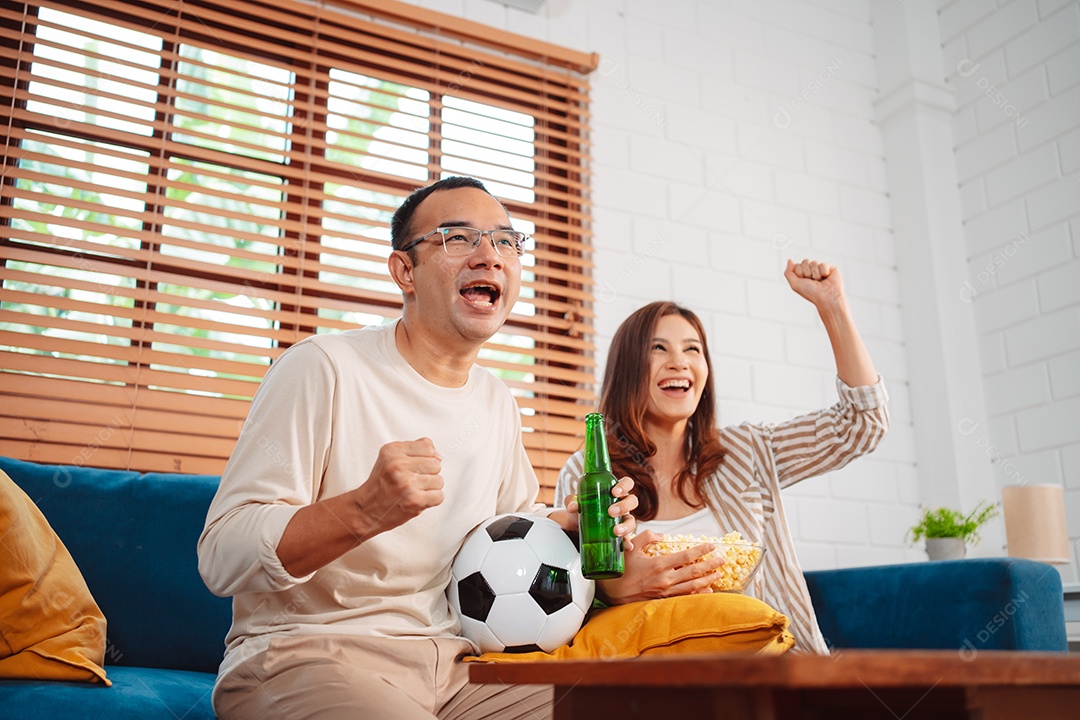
(948, 532)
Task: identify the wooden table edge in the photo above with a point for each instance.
(846, 668)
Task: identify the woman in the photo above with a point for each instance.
(694, 478)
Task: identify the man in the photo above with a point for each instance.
(366, 459)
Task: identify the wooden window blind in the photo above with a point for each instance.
(191, 187)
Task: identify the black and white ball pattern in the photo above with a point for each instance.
(517, 585)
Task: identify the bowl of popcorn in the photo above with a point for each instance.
(741, 558)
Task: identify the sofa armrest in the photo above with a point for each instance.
(969, 605)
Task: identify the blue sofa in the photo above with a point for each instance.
(133, 537)
(966, 605)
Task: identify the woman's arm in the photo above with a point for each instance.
(821, 284)
(828, 439)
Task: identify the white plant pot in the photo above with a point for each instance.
(949, 548)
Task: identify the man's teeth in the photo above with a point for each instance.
(480, 295)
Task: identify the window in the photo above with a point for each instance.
(190, 188)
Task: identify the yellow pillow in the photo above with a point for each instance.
(713, 622)
(50, 626)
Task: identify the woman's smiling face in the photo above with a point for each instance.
(677, 371)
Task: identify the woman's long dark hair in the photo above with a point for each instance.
(624, 398)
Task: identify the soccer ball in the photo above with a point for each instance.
(517, 585)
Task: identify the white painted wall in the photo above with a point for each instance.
(1016, 74)
(731, 134)
(914, 111)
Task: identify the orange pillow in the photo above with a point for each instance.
(706, 623)
(50, 626)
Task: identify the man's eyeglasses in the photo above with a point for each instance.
(464, 241)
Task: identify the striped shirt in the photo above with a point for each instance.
(744, 493)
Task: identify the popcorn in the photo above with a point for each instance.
(740, 557)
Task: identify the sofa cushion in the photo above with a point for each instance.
(50, 626)
(709, 622)
(136, 694)
(134, 538)
(968, 605)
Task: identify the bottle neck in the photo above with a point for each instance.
(596, 452)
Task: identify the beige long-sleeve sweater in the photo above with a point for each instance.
(314, 431)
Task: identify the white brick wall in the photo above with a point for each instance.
(728, 136)
(1016, 73)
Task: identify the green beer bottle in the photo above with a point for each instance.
(601, 549)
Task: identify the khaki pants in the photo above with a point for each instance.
(332, 677)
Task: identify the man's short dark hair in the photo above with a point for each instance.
(401, 224)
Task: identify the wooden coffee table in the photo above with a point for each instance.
(863, 684)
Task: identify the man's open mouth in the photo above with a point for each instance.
(481, 295)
